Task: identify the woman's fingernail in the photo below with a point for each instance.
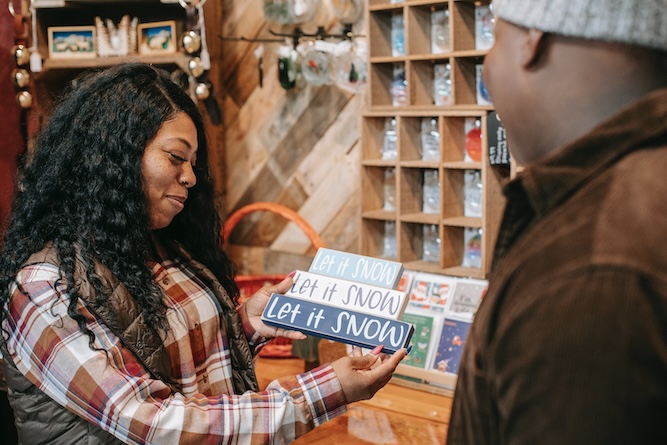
(376, 350)
(291, 274)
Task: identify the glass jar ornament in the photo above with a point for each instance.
(347, 11)
(289, 12)
(316, 65)
(350, 66)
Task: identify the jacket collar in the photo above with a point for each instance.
(549, 182)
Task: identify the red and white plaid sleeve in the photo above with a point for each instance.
(115, 392)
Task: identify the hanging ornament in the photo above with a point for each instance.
(203, 55)
(196, 67)
(191, 42)
(194, 43)
(316, 63)
(350, 66)
(202, 91)
(259, 53)
(21, 77)
(287, 67)
(289, 12)
(347, 11)
(24, 99)
(35, 56)
(191, 3)
(21, 54)
(196, 25)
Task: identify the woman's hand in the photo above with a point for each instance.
(255, 305)
(358, 380)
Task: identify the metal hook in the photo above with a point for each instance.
(12, 10)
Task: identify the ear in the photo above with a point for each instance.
(532, 48)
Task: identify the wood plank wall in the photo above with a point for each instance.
(299, 148)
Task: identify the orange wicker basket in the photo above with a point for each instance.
(249, 284)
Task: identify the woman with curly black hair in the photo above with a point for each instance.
(119, 311)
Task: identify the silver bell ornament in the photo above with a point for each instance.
(21, 77)
(21, 54)
(191, 42)
(24, 99)
(202, 91)
(196, 67)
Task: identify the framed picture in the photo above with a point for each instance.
(157, 37)
(72, 42)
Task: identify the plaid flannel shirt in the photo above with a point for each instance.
(115, 392)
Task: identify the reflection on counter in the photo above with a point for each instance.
(363, 425)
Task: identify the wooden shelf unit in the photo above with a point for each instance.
(57, 72)
(83, 13)
(406, 219)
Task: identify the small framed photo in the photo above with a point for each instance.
(157, 37)
(72, 42)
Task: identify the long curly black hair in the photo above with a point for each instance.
(83, 191)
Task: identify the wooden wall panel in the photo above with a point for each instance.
(215, 133)
(299, 148)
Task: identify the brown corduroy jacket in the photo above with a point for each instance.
(570, 344)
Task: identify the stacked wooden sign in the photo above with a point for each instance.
(347, 298)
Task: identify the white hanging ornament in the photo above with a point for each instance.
(35, 56)
(35, 60)
(203, 55)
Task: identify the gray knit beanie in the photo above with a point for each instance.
(635, 22)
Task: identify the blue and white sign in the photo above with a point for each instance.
(359, 268)
(346, 326)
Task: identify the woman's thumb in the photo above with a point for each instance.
(284, 285)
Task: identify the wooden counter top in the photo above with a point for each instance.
(397, 415)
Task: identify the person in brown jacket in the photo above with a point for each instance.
(570, 344)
